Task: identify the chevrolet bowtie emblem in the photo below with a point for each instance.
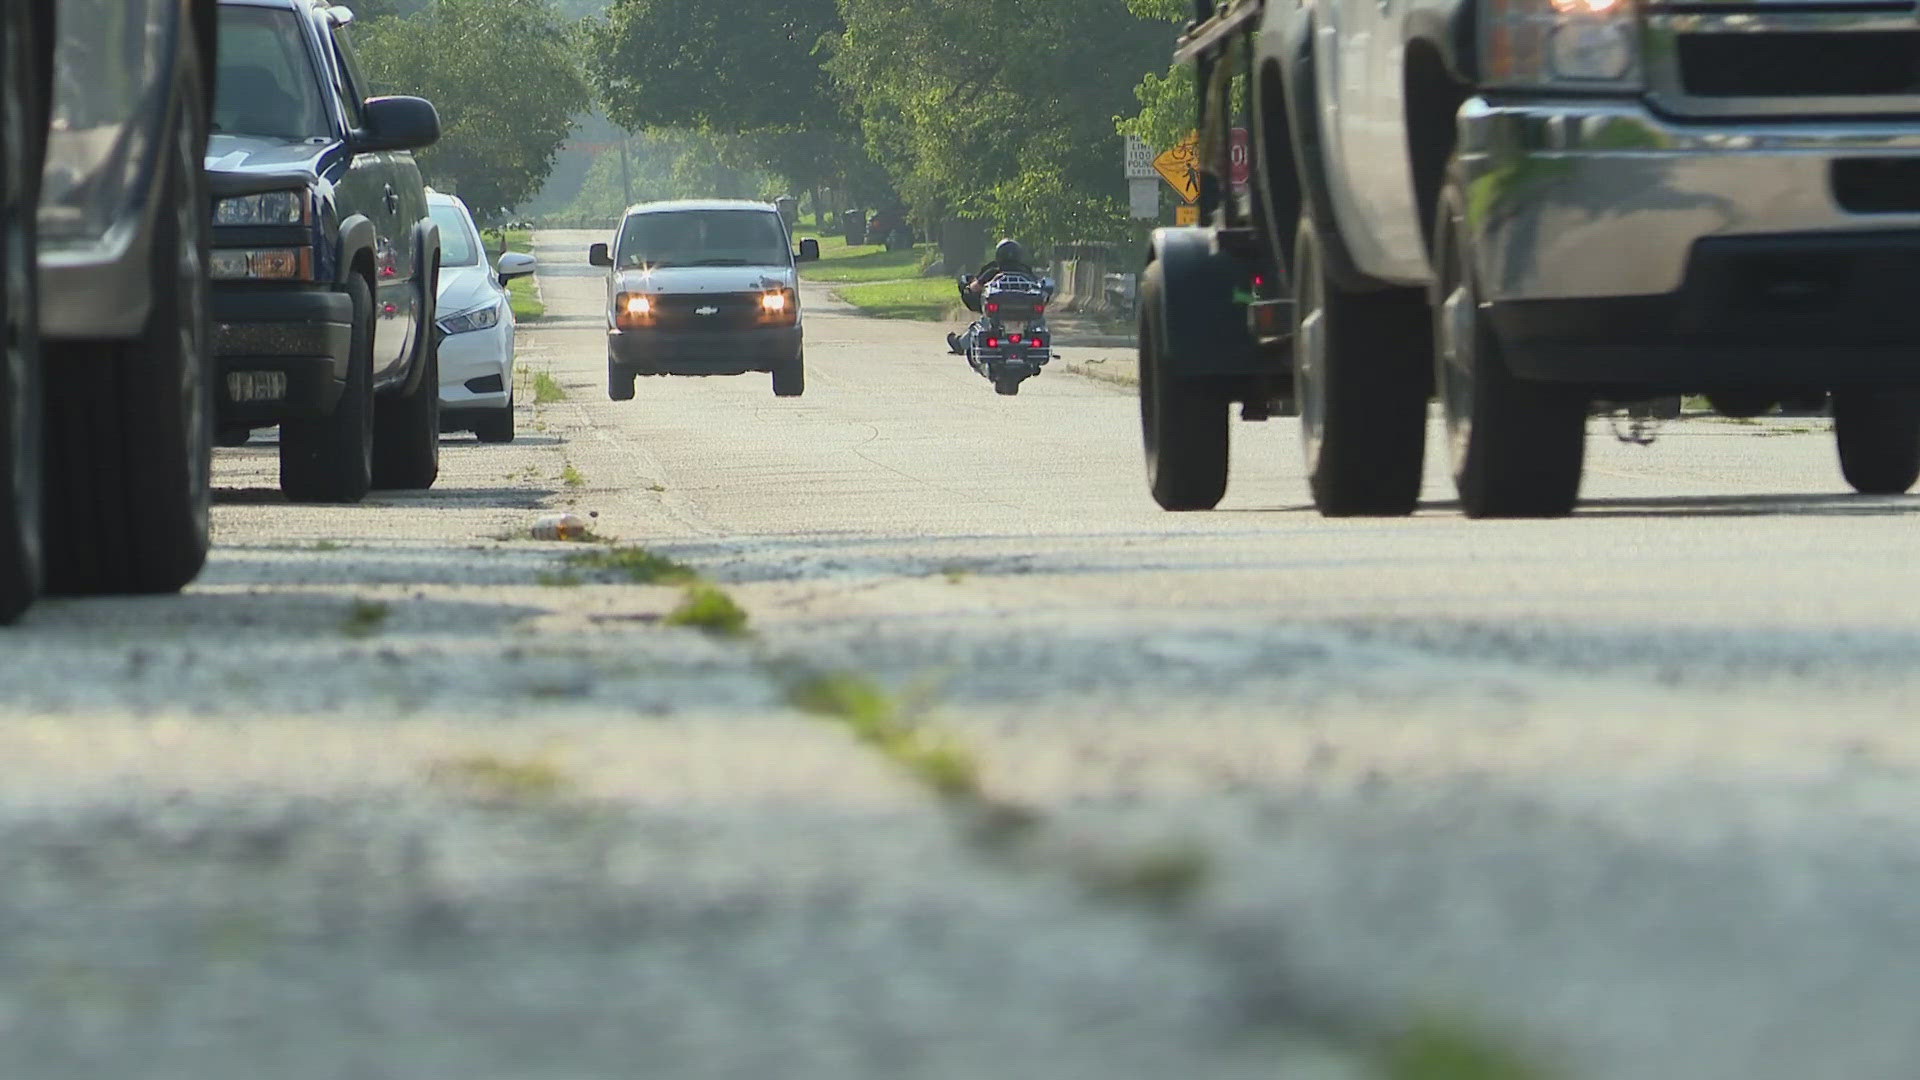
(706, 311)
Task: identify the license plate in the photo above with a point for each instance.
(245, 386)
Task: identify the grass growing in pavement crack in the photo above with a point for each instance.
(546, 390)
(365, 618)
(1451, 1051)
(1164, 875)
(636, 564)
(572, 477)
(884, 721)
(708, 608)
(563, 580)
(500, 777)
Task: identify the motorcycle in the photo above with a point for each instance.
(1010, 342)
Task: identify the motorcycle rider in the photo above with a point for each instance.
(1008, 257)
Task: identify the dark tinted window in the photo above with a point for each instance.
(704, 238)
(267, 85)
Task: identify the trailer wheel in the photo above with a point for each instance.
(1361, 388)
(1183, 425)
(1878, 434)
(1516, 444)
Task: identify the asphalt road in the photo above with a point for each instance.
(395, 792)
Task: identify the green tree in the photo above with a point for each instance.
(1166, 102)
(1001, 110)
(505, 76)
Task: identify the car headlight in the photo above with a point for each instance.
(261, 264)
(484, 318)
(1565, 44)
(779, 306)
(266, 208)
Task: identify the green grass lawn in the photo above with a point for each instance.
(856, 265)
(927, 299)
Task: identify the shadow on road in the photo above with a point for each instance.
(1834, 505)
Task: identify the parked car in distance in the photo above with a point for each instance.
(704, 288)
(105, 393)
(325, 261)
(476, 317)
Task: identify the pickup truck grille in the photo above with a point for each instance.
(1732, 58)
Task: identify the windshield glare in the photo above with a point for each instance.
(458, 245)
(703, 238)
(267, 87)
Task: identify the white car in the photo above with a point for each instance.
(476, 354)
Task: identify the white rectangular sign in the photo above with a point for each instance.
(1139, 159)
(1144, 195)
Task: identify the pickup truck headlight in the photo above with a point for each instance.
(262, 264)
(1562, 44)
(466, 322)
(266, 208)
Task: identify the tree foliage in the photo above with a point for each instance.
(505, 76)
(1000, 110)
(1166, 102)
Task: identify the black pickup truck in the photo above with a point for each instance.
(105, 386)
(325, 258)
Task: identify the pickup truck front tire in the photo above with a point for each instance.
(1517, 445)
(1360, 386)
(130, 458)
(20, 388)
(406, 430)
(329, 459)
(1878, 434)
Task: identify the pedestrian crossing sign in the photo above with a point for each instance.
(1180, 167)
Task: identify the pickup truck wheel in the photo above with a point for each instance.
(1183, 427)
(406, 431)
(1360, 389)
(330, 458)
(790, 378)
(21, 402)
(496, 426)
(1878, 433)
(619, 381)
(130, 447)
(1517, 445)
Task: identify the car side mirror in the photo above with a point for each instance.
(397, 123)
(599, 255)
(517, 264)
(809, 251)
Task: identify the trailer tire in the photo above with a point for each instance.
(1183, 425)
(1360, 385)
(1877, 432)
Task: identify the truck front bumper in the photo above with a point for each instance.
(282, 354)
(1618, 248)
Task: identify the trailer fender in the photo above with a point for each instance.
(1203, 307)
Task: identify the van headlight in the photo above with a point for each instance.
(266, 208)
(466, 322)
(1562, 44)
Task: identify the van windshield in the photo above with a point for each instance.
(703, 238)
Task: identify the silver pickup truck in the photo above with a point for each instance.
(106, 405)
(1525, 207)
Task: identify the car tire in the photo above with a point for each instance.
(619, 381)
(1006, 387)
(130, 435)
(1878, 436)
(329, 459)
(406, 429)
(496, 426)
(21, 401)
(790, 378)
(1516, 445)
(1183, 428)
(1361, 387)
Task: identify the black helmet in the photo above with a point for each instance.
(1010, 251)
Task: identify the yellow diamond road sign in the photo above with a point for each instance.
(1180, 167)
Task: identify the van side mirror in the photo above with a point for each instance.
(397, 123)
(599, 255)
(809, 251)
